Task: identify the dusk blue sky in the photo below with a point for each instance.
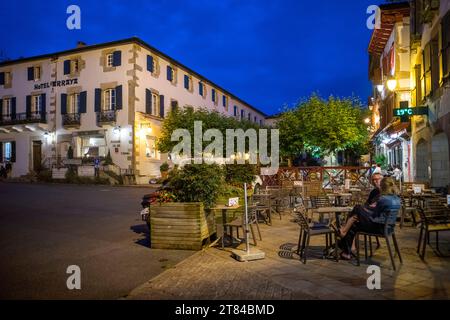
(268, 53)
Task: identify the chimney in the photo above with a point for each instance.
(81, 44)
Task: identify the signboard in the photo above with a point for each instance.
(86, 171)
(56, 83)
(72, 161)
(59, 173)
(401, 112)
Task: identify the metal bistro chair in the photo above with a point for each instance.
(389, 231)
(432, 220)
(408, 207)
(238, 223)
(307, 231)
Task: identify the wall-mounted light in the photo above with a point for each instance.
(391, 84)
(367, 120)
(116, 130)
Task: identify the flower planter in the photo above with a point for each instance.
(180, 225)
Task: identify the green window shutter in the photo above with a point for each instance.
(83, 102)
(161, 106)
(13, 151)
(63, 103)
(66, 66)
(28, 107)
(98, 100)
(13, 108)
(117, 58)
(30, 73)
(148, 101)
(119, 97)
(2, 78)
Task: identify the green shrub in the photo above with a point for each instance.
(238, 174)
(197, 183)
(164, 167)
(44, 176)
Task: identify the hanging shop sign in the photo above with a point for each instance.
(56, 83)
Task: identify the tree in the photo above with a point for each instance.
(320, 127)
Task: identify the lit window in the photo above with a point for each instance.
(155, 109)
(6, 108)
(8, 151)
(74, 103)
(150, 148)
(36, 104)
(109, 100)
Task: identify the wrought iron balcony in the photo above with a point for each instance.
(71, 119)
(23, 118)
(106, 116)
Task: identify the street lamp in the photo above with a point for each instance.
(367, 120)
(391, 84)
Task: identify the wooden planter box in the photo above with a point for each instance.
(180, 225)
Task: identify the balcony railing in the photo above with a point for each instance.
(23, 118)
(106, 116)
(71, 119)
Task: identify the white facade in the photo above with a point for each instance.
(79, 86)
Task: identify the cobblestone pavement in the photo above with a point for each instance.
(214, 274)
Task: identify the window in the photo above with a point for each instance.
(109, 60)
(8, 151)
(242, 114)
(150, 148)
(109, 102)
(213, 95)
(445, 53)
(170, 74)
(7, 78)
(187, 82)
(235, 111)
(426, 78)
(174, 105)
(416, 93)
(254, 119)
(249, 116)
(74, 103)
(36, 73)
(224, 101)
(201, 89)
(155, 109)
(74, 66)
(6, 108)
(260, 122)
(36, 106)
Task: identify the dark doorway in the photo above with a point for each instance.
(37, 155)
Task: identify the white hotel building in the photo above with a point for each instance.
(99, 98)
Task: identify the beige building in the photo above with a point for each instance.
(100, 99)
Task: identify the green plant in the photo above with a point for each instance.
(381, 160)
(108, 159)
(164, 167)
(164, 196)
(238, 174)
(197, 183)
(44, 176)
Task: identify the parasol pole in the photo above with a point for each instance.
(247, 246)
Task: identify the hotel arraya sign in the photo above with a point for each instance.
(56, 83)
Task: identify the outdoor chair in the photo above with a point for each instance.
(239, 223)
(407, 208)
(389, 232)
(308, 230)
(432, 220)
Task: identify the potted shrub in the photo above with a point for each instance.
(164, 169)
(183, 219)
